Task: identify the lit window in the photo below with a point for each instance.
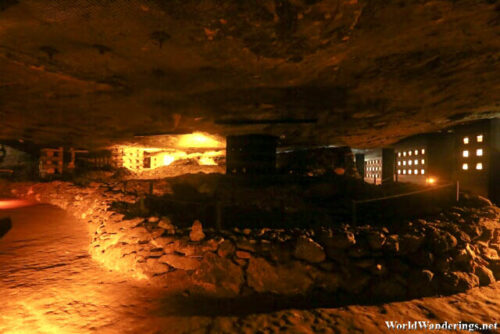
(416, 161)
(404, 171)
(399, 154)
(404, 154)
(466, 140)
(479, 138)
(465, 154)
(410, 162)
(416, 152)
(399, 171)
(415, 171)
(409, 153)
(422, 171)
(423, 151)
(479, 166)
(399, 163)
(423, 161)
(465, 166)
(479, 152)
(404, 163)
(409, 172)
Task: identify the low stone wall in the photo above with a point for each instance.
(450, 253)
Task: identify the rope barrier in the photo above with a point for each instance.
(405, 194)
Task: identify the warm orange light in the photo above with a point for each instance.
(14, 203)
(200, 140)
(430, 180)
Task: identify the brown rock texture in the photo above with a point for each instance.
(370, 71)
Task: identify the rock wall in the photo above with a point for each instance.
(449, 253)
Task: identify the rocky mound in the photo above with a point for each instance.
(448, 253)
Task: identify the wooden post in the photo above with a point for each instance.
(458, 191)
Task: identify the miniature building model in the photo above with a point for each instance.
(477, 158)
(251, 154)
(425, 159)
(51, 161)
(379, 166)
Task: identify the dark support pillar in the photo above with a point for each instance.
(360, 164)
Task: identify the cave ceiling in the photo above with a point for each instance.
(368, 72)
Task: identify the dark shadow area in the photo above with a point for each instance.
(263, 303)
(286, 202)
(5, 226)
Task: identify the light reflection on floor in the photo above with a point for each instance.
(49, 284)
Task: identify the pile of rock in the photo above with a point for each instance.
(449, 253)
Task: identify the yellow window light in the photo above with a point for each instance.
(404, 163)
(416, 152)
(409, 153)
(479, 152)
(399, 163)
(399, 171)
(479, 166)
(415, 171)
(465, 166)
(423, 151)
(404, 171)
(422, 171)
(416, 161)
(399, 154)
(404, 154)
(409, 172)
(410, 162)
(423, 161)
(466, 140)
(465, 154)
(479, 138)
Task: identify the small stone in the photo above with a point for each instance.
(196, 233)
(153, 219)
(343, 240)
(180, 261)
(166, 224)
(308, 250)
(243, 255)
(226, 248)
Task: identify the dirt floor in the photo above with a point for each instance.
(49, 284)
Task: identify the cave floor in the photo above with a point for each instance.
(49, 284)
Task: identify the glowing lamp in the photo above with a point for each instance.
(430, 181)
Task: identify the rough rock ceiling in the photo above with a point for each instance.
(371, 71)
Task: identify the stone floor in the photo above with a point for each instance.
(49, 284)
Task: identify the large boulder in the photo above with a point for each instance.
(219, 276)
(181, 261)
(308, 250)
(342, 240)
(457, 281)
(441, 242)
(289, 279)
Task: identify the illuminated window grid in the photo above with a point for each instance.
(404, 162)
